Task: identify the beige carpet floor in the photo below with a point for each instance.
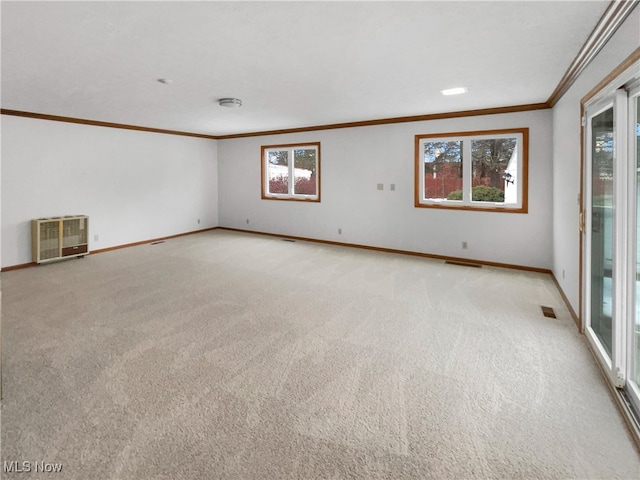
(239, 356)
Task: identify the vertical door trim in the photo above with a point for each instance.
(621, 232)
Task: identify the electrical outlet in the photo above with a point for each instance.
(96, 238)
(392, 187)
(247, 221)
(198, 220)
(381, 186)
(465, 245)
(339, 231)
(563, 273)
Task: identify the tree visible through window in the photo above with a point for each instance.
(490, 159)
(291, 172)
(442, 168)
(479, 170)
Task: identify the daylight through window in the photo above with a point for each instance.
(473, 170)
(291, 172)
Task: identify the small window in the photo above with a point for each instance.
(473, 170)
(291, 172)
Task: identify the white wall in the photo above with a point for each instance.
(354, 160)
(133, 185)
(566, 155)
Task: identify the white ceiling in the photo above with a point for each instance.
(293, 64)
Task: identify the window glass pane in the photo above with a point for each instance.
(304, 173)
(494, 165)
(602, 184)
(443, 170)
(278, 170)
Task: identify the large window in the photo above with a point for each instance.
(473, 170)
(291, 172)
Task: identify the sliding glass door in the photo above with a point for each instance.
(611, 234)
(601, 231)
(602, 274)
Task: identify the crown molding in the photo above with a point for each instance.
(613, 17)
(387, 121)
(314, 128)
(97, 123)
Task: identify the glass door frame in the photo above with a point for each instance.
(620, 90)
(631, 386)
(614, 365)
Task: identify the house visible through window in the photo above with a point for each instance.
(291, 172)
(472, 170)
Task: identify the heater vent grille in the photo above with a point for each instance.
(59, 237)
(548, 312)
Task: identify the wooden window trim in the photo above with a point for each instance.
(524, 207)
(263, 173)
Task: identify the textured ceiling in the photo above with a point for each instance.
(293, 64)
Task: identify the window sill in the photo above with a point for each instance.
(292, 199)
(496, 209)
